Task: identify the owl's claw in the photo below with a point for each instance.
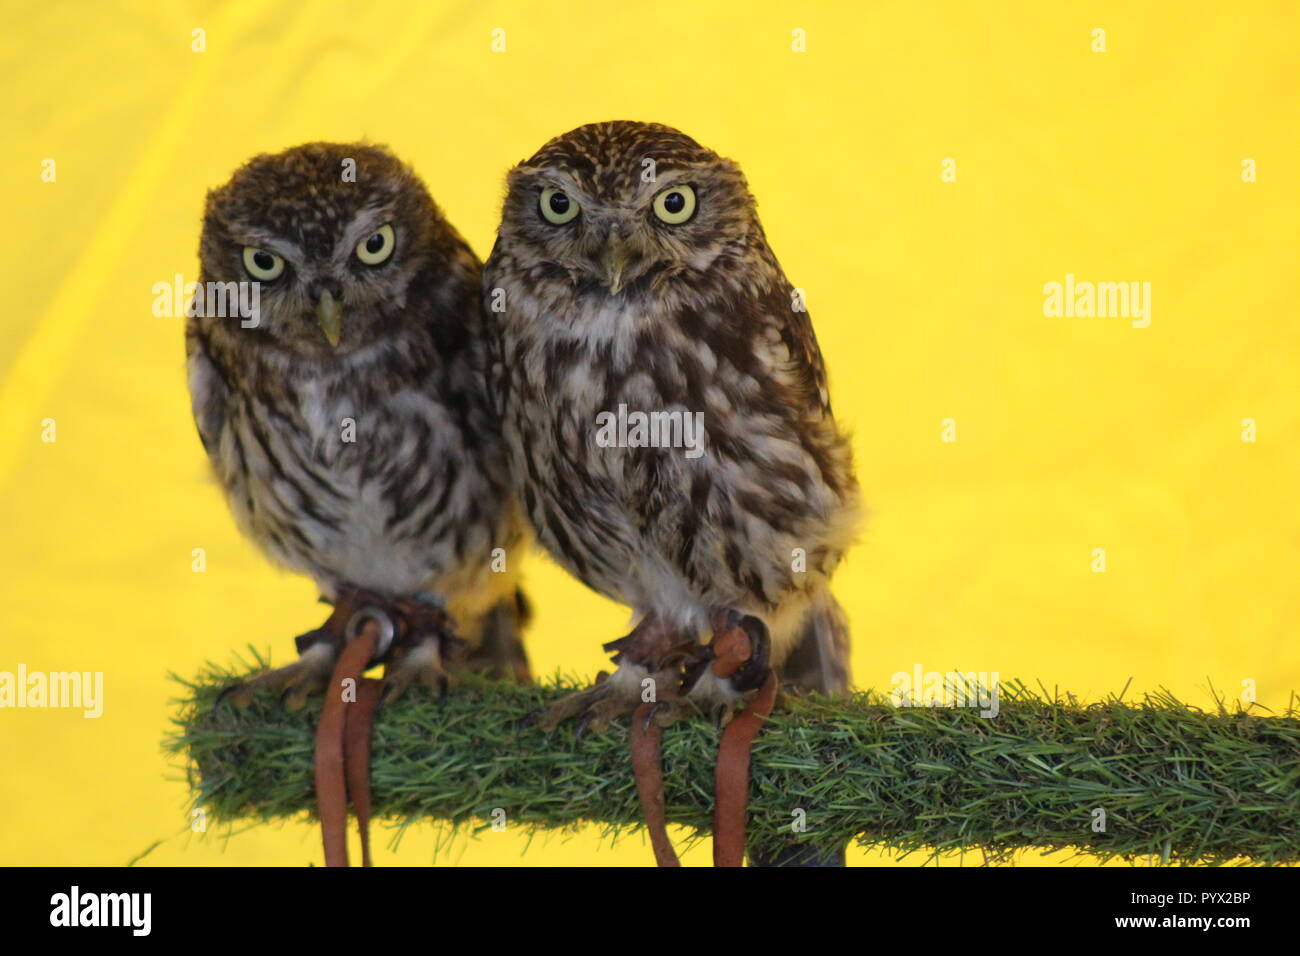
(665, 713)
(722, 714)
(428, 643)
(608, 700)
(306, 676)
(420, 664)
(294, 698)
(594, 708)
(653, 652)
(226, 695)
(530, 719)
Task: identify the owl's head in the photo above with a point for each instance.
(338, 237)
(618, 207)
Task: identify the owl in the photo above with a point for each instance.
(345, 416)
(665, 411)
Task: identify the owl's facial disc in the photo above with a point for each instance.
(629, 250)
(630, 210)
(343, 264)
(373, 250)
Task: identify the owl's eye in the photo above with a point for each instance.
(557, 207)
(377, 246)
(674, 206)
(261, 264)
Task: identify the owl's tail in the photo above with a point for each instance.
(500, 652)
(819, 662)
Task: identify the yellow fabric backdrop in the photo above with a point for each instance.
(1072, 434)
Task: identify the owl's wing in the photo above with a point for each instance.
(789, 346)
(209, 393)
(496, 381)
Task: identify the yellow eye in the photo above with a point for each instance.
(557, 207)
(261, 264)
(675, 205)
(377, 246)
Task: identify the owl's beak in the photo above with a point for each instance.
(329, 316)
(614, 260)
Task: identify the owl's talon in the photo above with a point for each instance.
(598, 706)
(663, 713)
(308, 675)
(722, 714)
(228, 696)
(420, 664)
(654, 652)
(314, 637)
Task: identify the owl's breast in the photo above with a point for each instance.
(656, 458)
(380, 488)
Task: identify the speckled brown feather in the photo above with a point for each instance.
(420, 498)
(705, 322)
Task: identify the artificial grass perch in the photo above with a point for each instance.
(1174, 783)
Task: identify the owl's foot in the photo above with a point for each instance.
(500, 653)
(733, 668)
(421, 662)
(318, 650)
(295, 682)
(617, 695)
(649, 671)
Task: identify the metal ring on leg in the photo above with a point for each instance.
(387, 629)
